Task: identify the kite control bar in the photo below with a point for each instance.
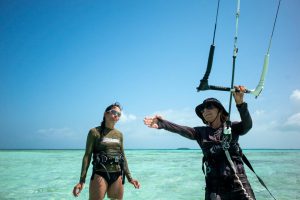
(256, 92)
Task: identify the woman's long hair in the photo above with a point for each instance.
(223, 117)
(102, 127)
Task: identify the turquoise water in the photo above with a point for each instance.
(163, 174)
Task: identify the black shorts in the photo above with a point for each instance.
(110, 179)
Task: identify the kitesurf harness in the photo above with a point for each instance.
(226, 136)
(231, 150)
(100, 160)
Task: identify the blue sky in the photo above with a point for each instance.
(63, 62)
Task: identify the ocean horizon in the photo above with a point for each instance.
(163, 173)
(181, 148)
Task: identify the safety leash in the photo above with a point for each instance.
(227, 136)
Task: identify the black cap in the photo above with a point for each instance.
(213, 101)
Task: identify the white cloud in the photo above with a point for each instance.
(259, 112)
(185, 116)
(293, 120)
(137, 135)
(295, 96)
(125, 118)
(56, 132)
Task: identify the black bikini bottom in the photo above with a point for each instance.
(113, 176)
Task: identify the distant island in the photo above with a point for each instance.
(184, 148)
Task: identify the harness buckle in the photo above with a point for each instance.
(227, 130)
(226, 137)
(117, 159)
(103, 159)
(225, 145)
(208, 169)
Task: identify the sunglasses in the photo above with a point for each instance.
(208, 106)
(114, 112)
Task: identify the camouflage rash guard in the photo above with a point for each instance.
(111, 143)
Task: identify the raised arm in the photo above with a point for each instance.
(246, 121)
(159, 123)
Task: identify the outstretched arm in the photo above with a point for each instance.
(159, 123)
(152, 122)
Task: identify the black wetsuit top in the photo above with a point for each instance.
(219, 173)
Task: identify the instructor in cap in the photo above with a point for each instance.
(222, 182)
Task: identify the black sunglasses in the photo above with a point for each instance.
(114, 112)
(208, 106)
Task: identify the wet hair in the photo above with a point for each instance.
(116, 104)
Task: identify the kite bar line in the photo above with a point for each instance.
(257, 91)
(204, 82)
(235, 51)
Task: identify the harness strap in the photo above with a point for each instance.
(122, 171)
(236, 176)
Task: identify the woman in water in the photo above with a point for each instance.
(224, 174)
(105, 144)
